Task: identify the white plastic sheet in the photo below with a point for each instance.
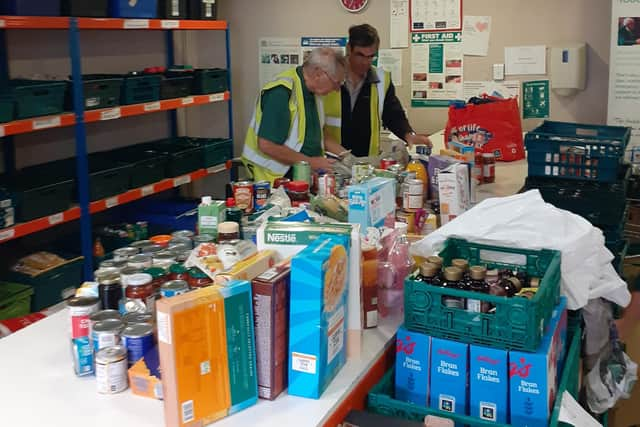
(527, 221)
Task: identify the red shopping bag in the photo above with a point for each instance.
(490, 124)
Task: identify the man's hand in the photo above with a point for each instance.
(323, 163)
(417, 139)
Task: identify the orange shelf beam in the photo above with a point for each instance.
(34, 22)
(39, 224)
(68, 119)
(61, 23)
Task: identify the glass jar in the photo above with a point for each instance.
(477, 284)
(429, 273)
(488, 168)
(298, 192)
(159, 276)
(164, 259)
(178, 272)
(109, 288)
(139, 294)
(198, 278)
(228, 231)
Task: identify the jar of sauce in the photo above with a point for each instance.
(198, 279)
(488, 168)
(178, 272)
(139, 294)
(298, 192)
(159, 276)
(228, 231)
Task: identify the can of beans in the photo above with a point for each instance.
(243, 193)
(106, 334)
(80, 310)
(111, 370)
(387, 161)
(261, 193)
(138, 339)
(138, 319)
(173, 288)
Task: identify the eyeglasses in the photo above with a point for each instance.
(361, 55)
(336, 83)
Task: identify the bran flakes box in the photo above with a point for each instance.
(488, 383)
(449, 372)
(318, 313)
(412, 366)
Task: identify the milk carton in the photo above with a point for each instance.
(449, 369)
(488, 383)
(533, 377)
(412, 366)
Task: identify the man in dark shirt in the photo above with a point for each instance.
(367, 100)
(626, 33)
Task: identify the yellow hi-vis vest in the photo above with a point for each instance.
(260, 165)
(333, 111)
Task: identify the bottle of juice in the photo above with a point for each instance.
(416, 166)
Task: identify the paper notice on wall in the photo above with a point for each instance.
(307, 44)
(525, 60)
(624, 69)
(436, 15)
(276, 55)
(535, 103)
(503, 89)
(436, 68)
(476, 32)
(399, 15)
(391, 60)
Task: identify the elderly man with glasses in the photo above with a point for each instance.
(366, 101)
(288, 118)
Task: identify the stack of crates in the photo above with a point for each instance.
(441, 348)
(581, 168)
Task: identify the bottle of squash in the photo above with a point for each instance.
(416, 166)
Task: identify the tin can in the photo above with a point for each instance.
(261, 193)
(125, 253)
(128, 271)
(141, 261)
(173, 288)
(183, 234)
(302, 172)
(360, 170)
(112, 263)
(151, 249)
(138, 339)
(138, 319)
(326, 184)
(243, 194)
(182, 256)
(280, 182)
(203, 238)
(82, 355)
(111, 370)
(412, 195)
(408, 218)
(164, 259)
(80, 310)
(140, 244)
(139, 294)
(101, 315)
(386, 162)
(184, 241)
(106, 333)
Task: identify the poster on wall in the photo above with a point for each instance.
(391, 60)
(436, 15)
(624, 72)
(277, 54)
(535, 102)
(436, 68)
(399, 24)
(307, 44)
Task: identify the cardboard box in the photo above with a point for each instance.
(454, 192)
(289, 238)
(249, 268)
(271, 323)
(448, 382)
(372, 203)
(207, 354)
(412, 366)
(318, 310)
(533, 377)
(144, 376)
(489, 383)
(437, 164)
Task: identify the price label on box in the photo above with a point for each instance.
(216, 97)
(188, 100)
(56, 219)
(7, 234)
(111, 114)
(132, 24)
(182, 180)
(146, 190)
(49, 122)
(153, 106)
(111, 202)
(169, 24)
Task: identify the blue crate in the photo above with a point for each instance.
(30, 7)
(140, 9)
(576, 151)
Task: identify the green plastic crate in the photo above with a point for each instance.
(210, 80)
(216, 151)
(137, 89)
(176, 87)
(99, 90)
(381, 398)
(147, 166)
(37, 97)
(517, 323)
(183, 155)
(107, 179)
(52, 286)
(15, 300)
(6, 108)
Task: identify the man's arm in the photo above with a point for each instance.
(394, 118)
(332, 146)
(287, 156)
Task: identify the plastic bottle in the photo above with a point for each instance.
(207, 219)
(416, 166)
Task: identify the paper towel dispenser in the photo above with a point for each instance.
(568, 68)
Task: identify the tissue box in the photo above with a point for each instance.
(453, 190)
(534, 376)
(372, 203)
(318, 312)
(488, 383)
(449, 369)
(412, 366)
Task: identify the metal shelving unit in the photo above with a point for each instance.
(79, 118)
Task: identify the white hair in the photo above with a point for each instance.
(327, 59)
(628, 21)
